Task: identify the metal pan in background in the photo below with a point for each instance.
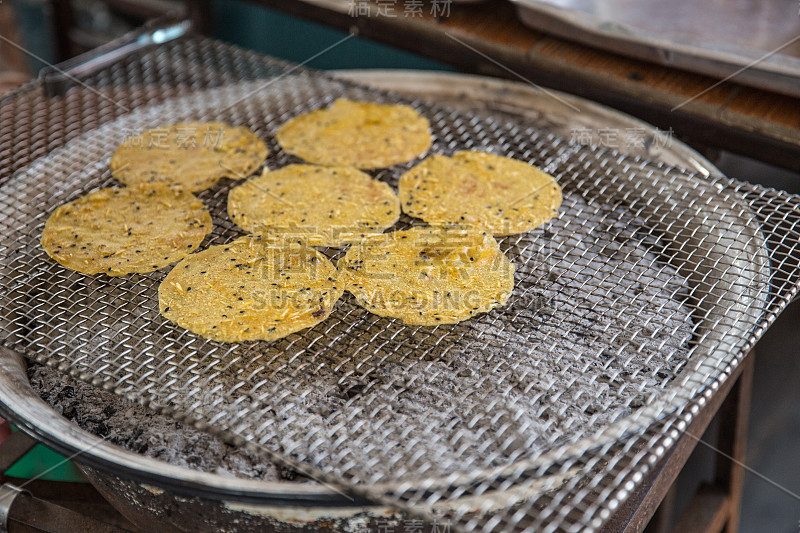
(755, 42)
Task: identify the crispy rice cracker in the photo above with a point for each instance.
(119, 231)
(357, 134)
(250, 289)
(490, 192)
(428, 276)
(191, 155)
(326, 206)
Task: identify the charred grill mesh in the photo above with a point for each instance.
(539, 415)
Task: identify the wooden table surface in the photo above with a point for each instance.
(487, 38)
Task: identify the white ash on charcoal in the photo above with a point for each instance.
(137, 429)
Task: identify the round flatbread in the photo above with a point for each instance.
(191, 155)
(357, 134)
(250, 289)
(119, 231)
(325, 206)
(493, 193)
(428, 276)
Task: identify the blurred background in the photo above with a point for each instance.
(34, 34)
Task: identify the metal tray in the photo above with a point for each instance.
(754, 42)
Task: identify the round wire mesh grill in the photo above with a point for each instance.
(638, 298)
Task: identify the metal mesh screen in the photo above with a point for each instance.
(628, 309)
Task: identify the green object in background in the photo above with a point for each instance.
(34, 27)
(273, 33)
(44, 463)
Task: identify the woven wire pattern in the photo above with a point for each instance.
(698, 244)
